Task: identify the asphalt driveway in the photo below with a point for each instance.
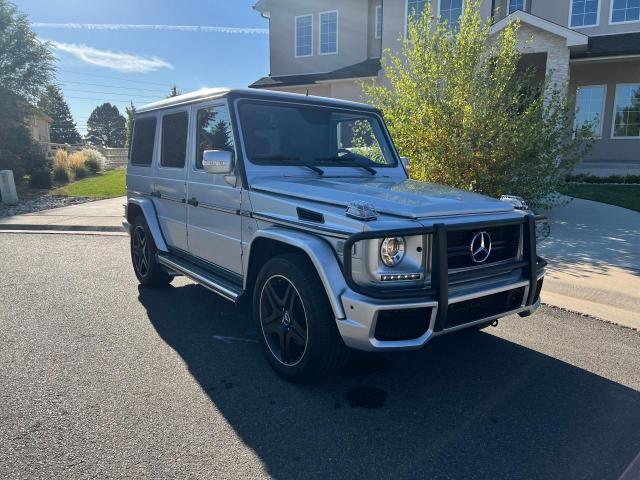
(101, 378)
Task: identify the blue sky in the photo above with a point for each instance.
(118, 60)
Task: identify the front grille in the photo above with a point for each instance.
(505, 242)
(408, 324)
(484, 307)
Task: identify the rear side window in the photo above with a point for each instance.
(144, 133)
(174, 140)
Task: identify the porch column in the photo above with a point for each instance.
(557, 69)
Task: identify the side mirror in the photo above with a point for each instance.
(217, 161)
(405, 163)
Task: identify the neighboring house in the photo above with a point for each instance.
(324, 47)
(39, 124)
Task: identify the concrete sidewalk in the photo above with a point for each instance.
(98, 216)
(594, 261)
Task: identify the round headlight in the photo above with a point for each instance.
(392, 251)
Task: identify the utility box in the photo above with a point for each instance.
(8, 193)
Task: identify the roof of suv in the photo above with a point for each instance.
(209, 93)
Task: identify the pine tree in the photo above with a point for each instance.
(106, 127)
(63, 129)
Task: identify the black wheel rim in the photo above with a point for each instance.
(141, 253)
(283, 320)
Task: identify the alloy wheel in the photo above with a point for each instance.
(141, 251)
(283, 320)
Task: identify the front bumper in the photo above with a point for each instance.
(358, 330)
(441, 307)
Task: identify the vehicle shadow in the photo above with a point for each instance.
(466, 406)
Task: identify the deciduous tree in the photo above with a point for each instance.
(106, 126)
(461, 108)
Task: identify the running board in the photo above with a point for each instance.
(222, 287)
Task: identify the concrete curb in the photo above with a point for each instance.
(61, 228)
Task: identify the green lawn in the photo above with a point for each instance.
(627, 196)
(104, 185)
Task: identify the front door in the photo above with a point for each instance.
(213, 206)
(169, 189)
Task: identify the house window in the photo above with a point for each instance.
(515, 5)
(415, 9)
(584, 13)
(625, 11)
(450, 11)
(590, 106)
(626, 119)
(329, 32)
(379, 21)
(304, 36)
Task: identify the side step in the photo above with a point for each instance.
(222, 287)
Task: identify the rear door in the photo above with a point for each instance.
(169, 188)
(214, 199)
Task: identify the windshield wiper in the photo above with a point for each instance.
(293, 161)
(348, 163)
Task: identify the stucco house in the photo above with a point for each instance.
(39, 125)
(326, 46)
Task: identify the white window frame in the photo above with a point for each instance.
(464, 4)
(598, 135)
(320, 32)
(585, 26)
(524, 6)
(611, 22)
(613, 115)
(295, 35)
(406, 16)
(378, 20)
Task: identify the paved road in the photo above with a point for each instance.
(102, 379)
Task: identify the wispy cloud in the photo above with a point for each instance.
(122, 62)
(179, 28)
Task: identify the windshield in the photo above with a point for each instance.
(294, 134)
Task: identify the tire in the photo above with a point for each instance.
(296, 326)
(143, 256)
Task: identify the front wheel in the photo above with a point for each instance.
(295, 323)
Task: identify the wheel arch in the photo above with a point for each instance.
(270, 242)
(143, 206)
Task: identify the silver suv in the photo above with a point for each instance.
(302, 206)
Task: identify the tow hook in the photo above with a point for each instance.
(494, 323)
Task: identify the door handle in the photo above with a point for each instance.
(193, 201)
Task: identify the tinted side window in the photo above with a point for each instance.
(174, 140)
(214, 131)
(144, 132)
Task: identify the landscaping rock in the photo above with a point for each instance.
(44, 202)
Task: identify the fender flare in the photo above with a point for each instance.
(151, 217)
(321, 255)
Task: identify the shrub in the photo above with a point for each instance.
(40, 178)
(95, 161)
(60, 174)
(61, 160)
(80, 173)
(588, 178)
(459, 106)
(77, 160)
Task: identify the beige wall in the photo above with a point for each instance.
(352, 36)
(39, 128)
(374, 44)
(608, 73)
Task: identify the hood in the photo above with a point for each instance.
(401, 198)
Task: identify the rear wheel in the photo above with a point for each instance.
(143, 256)
(295, 323)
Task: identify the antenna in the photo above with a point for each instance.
(307, 92)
